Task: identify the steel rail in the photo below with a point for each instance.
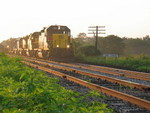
(110, 79)
(126, 97)
(121, 70)
(93, 68)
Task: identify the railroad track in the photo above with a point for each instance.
(108, 85)
(113, 71)
(119, 72)
(141, 84)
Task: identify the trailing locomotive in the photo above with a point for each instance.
(51, 42)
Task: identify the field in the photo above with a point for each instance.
(137, 63)
(26, 90)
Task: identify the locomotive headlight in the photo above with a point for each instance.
(57, 45)
(68, 46)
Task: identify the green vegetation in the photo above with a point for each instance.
(113, 44)
(138, 63)
(133, 54)
(88, 50)
(25, 90)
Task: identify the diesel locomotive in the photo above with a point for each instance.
(51, 42)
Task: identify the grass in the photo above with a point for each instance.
(137, 63)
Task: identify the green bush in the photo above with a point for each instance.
(88, 50)
(138, 63)
(25, 90)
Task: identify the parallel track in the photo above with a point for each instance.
(120, 72)
(140, 102)
(113, 71)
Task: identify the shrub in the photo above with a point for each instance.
(26, 90)
(88, 50)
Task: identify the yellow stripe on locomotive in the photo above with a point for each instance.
(60, 41)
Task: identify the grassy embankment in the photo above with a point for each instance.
(137, 63)
(26, 90)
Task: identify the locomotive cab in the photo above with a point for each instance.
(58, 37)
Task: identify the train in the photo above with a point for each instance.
(2, 48)
(51, 42)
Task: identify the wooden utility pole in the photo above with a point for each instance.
(95, 31)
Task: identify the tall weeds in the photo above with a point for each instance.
(25, 90)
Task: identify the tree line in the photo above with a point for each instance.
(113, 44)
(110, 44)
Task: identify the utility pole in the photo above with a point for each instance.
(95, 30)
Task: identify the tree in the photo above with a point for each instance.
(82, 35)
(147, 37)
(111, 45)
(137, 46)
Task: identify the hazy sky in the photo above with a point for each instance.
(129, 18)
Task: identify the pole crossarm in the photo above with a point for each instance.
(91, 33)
(96, 26)
(98, 30)
(101, 26)
(95, 31)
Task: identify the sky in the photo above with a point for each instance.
(124, 18)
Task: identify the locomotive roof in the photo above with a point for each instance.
(35, 33)
(58, 27)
